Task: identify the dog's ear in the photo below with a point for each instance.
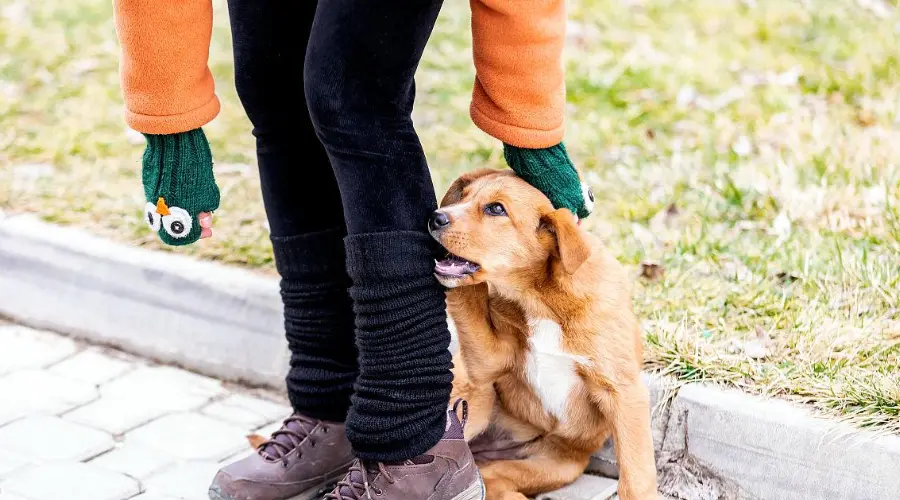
(571, 247)
(455, 191)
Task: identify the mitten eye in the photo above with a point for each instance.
(178, 223)
(152, 218)
(588, 194)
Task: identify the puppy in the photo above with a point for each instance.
(550, 351)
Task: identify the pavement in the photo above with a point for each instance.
(85, 422)
(82, 422)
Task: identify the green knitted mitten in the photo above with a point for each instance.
(178, 185)
(551, 171)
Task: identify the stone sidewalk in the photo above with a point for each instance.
(83, 422)
(80, 422)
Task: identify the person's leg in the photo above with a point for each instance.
(302, 203)
(305, 215)
(360, 64)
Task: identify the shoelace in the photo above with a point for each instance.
(277, 449)
(355, 485)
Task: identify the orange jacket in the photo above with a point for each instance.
(519, 93)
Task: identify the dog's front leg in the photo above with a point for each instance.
(480, 396)
(483, 351)
(629, 410)
(481, 356)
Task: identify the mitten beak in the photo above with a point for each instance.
(161, 207)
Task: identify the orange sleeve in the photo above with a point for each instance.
(520, 93)
(166, 82)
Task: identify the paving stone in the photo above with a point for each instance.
(120, 413)
(143, 395)
(586, 487)
(150, 496)
(29, 348)
(246, 411)
(12, 496)
(41, 438)
(10, 462)
(190, 436)
(92, 365)
(69, 481)
(187, 481)
(180, 386)
(30, 392)
(660, 497)
(134, 460)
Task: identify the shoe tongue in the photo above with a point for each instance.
(454, 428)
(290, 441)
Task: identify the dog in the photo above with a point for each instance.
(549, 354)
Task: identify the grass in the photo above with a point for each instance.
(748, 149)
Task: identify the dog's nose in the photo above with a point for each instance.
(438, 220)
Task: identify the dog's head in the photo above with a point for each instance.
(497, 228)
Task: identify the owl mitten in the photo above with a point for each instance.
(551, 171)
(177, 173)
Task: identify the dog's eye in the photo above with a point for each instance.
(495, 209)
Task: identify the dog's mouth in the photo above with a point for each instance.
(453, 266)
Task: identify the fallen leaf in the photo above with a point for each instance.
(651, 271)
(255, 440)
(786, 278)
(865, 118)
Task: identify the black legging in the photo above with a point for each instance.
(330, 91)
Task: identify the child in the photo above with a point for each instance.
(329, 89)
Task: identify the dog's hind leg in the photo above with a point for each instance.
(514, 479)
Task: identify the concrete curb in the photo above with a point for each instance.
(221, 321)
(711, 443)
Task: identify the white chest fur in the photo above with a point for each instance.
(551, 370)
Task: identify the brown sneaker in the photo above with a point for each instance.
(300, 462)
(445, 472)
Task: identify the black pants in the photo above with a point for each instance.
(329, 90)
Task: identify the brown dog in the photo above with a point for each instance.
(550, 352)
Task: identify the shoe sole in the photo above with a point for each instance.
(316, 492)
(474, 492)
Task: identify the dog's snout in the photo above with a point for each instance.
(438, 220)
